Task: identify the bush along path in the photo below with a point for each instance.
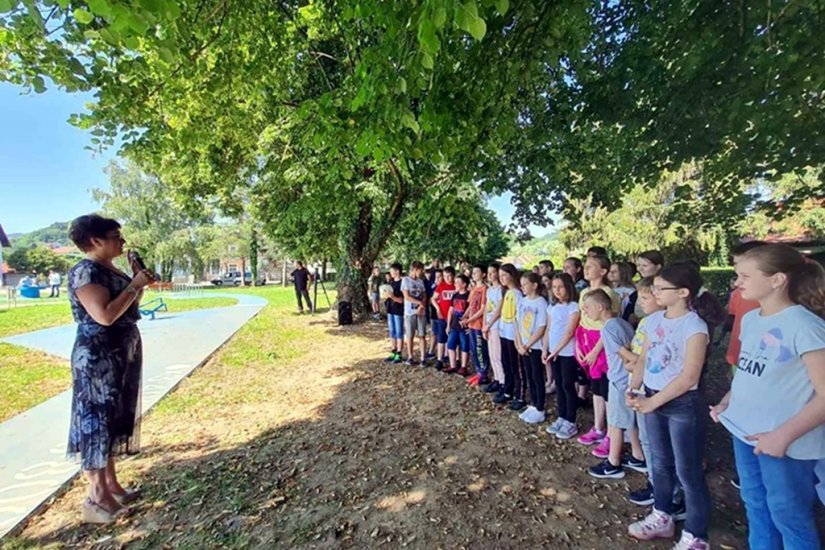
(297, 434)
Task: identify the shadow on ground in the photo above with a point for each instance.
(399, 457)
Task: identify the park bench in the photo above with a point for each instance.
(151, 307)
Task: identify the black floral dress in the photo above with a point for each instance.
(106, 373)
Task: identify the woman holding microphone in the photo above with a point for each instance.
(106, 364)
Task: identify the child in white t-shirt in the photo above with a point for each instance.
(531, 320)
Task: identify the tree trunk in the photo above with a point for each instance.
(283, 272)
(253, 258)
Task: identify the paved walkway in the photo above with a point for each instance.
(33, 443)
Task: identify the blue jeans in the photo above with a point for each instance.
(676, 432)
(440, 331)
(779, 499)
(458, 339)
(396, 324)
(481, 355)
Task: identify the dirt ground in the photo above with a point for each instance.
(319, 444)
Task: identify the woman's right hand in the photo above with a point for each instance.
(142, 278)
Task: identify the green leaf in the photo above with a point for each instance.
(38, 84)
(502, 6)
(6, 5)
(439, 17)
(408, 120)
(166, 55)
(402, 85)
(63, 4)
(109, 36)
(426, 60)
(427, 38)
(100, 7)
(83, 17)
(478, 28)
(131, 42)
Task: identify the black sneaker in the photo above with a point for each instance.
(735, 482)
(634, 464)
(501, 398)
(605, 470)
(391, 358)
(642, 497)
(439, 365)
(681, 512)
(517, 405)
(492, 387)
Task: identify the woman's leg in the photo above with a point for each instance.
(99, 490)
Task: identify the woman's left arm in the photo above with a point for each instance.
(776, 442)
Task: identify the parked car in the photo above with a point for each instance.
(230, 278)
(247, 280)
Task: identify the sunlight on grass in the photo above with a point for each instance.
(28, 378)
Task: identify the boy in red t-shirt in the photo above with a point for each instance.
(442, 300)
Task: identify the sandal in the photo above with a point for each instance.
(128, 497)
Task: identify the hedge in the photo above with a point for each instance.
(717, 280)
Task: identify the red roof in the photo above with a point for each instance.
(64, 250)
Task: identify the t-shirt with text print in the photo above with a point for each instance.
(445, 296)
(531, 315)
(493, 300)
(772, 383)
(667, 345)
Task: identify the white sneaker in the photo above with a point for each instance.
(689, 542)
(553, 428)
(534, 416)
(567, 430)
(526, 412)
(656, 525)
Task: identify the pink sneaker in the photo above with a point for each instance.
(657, 525)
(689, 542)
(602, 450)
(591, 437)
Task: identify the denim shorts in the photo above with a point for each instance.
(458, 339)
(440, 330)
(396, 325)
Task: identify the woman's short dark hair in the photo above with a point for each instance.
(91, 226)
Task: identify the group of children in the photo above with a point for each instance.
(640, 349)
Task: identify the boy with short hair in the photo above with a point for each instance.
(546, 268)
(395, 314)
(459, 340)
(474, 320)
(615, 334)
(415, 296)
(442, 300)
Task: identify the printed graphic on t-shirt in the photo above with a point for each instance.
(770, 348)
(508, 308)
(526, 326)
(662, 358)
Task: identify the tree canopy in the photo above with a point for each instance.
(339, 122)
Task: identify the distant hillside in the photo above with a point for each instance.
(54, 235)
(533, 251)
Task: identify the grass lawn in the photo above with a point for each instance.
(297, 435)
(29, 377)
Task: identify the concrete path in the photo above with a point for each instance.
(33, 444)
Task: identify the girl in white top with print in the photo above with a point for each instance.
(490, 328)
(673, 356)
(776, 407)
(531, 321)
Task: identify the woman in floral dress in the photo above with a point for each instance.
(106, 364)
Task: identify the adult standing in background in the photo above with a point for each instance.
(302, 279)
(107, 360)
(54, 283)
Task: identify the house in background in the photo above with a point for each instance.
(4, 267)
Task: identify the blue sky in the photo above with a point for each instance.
(46, 174)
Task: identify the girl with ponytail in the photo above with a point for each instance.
(776, 407)
(676, 341)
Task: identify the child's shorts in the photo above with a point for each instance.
(374, 297)
(619, 415)
(440, 330)
(459, 339)
(599, 386)
(396, 325)
(415, 324)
